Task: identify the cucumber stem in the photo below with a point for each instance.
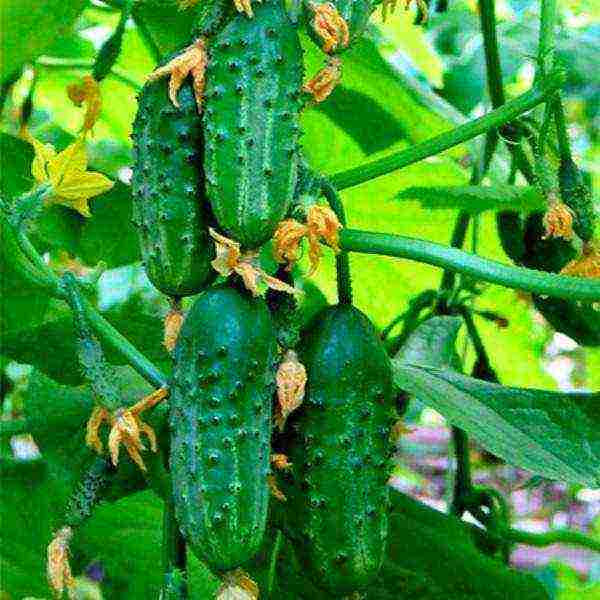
(494, 119)
(528, 280)
(342, 261)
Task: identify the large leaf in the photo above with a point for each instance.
(476, 199)
(550, 433)
(30, 26)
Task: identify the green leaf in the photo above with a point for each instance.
(111, 213)
(433, 343)
(476, 199)
(31, 26)
(550, 433)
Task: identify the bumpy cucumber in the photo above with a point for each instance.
(221, 425)
(252, 103)
(170, 208)
(339, 500)
(356, 13)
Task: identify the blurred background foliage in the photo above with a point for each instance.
(402, 84)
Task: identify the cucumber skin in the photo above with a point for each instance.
(170, 208)
(339, 500)
(251, 119)
(220, 423)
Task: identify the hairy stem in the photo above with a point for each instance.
(529, 280)
(561, 536)
(496, 118)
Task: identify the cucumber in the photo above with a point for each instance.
(170, 207)
(220, 419)
(338, 498)
(252, 104)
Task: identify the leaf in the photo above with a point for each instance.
(110, 213)
(432, 343)
(31, 26)
(476, 199)
(550, 433)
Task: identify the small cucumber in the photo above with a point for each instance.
(338, 502)
(170, 208)
(220, 419)
(252, 104)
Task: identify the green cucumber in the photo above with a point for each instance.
(170, 208)
(338, 500)
(252, 104)
(223, 381)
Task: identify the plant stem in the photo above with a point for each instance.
(462, 479)
(444, 141)
(105, 331)
(564, 144)
(529, 280)
(545, 54)
(174, 556)
(342, 261)
(561, 536)
(113, 338)
(487, 19)
(52, 62)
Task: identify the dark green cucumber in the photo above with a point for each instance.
(170, 207)
(356, 13)
(252, 104)
(579, 321)
(339, 500)
(221, 425)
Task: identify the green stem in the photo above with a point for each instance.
(487, 19)
(113, 338)
(273, 562)
(504, 114)
(105, 331)
(174, 556)
(342, 261)
(564, 144)
(462, 480)
(548, 15)
(52, 62)
(538, 282)
(561, 536)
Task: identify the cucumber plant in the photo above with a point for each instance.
(221, 188)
